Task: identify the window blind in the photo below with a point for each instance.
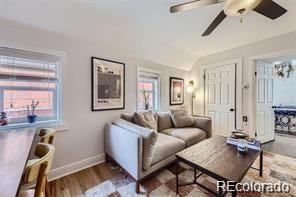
(149, 75)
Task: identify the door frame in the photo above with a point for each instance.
(253, 84)
(238, 87)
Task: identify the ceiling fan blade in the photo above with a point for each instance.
(192, 5)
(215, 23)
(270, 9)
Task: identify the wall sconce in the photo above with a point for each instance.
(190, 89)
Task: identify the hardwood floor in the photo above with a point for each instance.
(76, 184)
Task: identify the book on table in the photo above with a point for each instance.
(253, 144)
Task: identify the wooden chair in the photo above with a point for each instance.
(47, 135)
(37, 171)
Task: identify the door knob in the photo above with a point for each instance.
(231, 109)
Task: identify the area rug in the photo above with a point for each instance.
(276, 169)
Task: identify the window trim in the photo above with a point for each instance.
(141, 69)
(60, 76)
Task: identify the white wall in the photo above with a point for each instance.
(283, 92)
(248, 52)
(84, 136)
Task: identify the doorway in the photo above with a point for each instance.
(276, 104)
(220, 97)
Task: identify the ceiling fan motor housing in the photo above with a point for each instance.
(239, 7)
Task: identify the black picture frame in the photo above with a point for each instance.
(95, 102)
(172, 102)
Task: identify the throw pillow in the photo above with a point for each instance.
(164, 121)
(146, 119)
(181, 118)
(127, 116)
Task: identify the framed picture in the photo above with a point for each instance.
(176, 91)
(108, 88)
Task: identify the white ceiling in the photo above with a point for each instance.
(146, 28)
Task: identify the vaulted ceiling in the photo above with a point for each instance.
(146, 28)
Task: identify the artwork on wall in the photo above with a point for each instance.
(108, 88)
(176, 91)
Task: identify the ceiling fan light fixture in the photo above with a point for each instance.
(239, 7)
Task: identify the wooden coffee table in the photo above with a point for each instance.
(219, 160)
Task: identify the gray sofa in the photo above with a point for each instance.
(132, 147)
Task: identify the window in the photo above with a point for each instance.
(27, 77)
(148, 90)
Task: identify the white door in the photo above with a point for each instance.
(220, 98)
(265, 112)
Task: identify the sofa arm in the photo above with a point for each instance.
(125, 147)
(204, 123)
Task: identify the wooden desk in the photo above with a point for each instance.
(14, 151)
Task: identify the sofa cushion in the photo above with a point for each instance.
(181, 118)
(164, 121)
(127, 116)
(149, 139)
(146, 119)
(189, 135)
(166, 146)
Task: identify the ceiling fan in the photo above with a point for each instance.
(267, 8)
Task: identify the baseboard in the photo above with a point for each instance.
(75, 167)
